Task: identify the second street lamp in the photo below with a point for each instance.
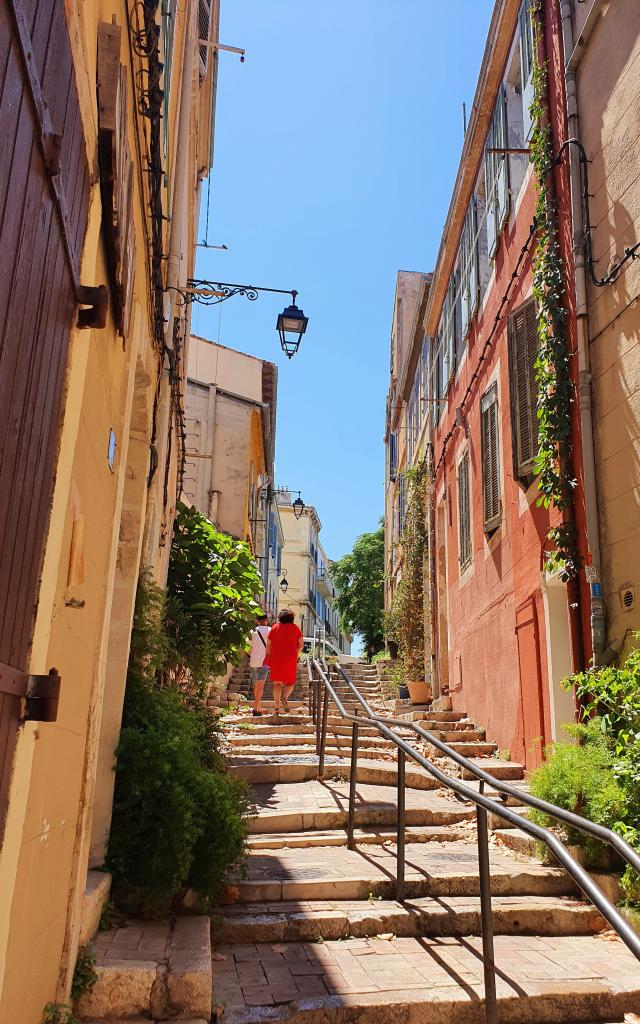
(298, 506)
(291, 325)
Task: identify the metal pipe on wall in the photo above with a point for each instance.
(585, 388)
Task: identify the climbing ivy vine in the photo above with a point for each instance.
(555, 387)
(409, 603)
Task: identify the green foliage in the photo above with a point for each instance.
(381, 656)
(555, 386)
(580, 778)
(58, 1013)
(211, 607)
(408, 605)
(359, 583)
(609, 699)
(178, 820)
(84, 974)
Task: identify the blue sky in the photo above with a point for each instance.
(336, 148)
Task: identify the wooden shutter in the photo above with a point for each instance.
(490, 460)
(490, 195)
(526, 66)
(523, 345)
(464, 511)
(204, 28)
(497, 173)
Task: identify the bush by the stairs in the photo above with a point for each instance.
(178, 819)
(580, 777)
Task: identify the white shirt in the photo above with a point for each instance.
(258, 648)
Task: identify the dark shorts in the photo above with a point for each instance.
(258, 675)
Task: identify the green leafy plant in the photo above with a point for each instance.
(211, 606)
(359, 583)
(178, 818)
(580, 778)
(408, 606)
(58, 1013)
(553, 467)
(84, 974)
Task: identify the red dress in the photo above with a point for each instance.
(283, 656)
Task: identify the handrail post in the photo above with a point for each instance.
(400, 827)
(352, 786)
(486, 916)
(323, 733)
(318, 716)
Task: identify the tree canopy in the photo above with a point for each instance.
(359, 582)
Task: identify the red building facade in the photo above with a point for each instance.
(507, 630)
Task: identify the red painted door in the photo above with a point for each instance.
(532, 712)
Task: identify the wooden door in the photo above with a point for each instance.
(44, 194)
(527, 634)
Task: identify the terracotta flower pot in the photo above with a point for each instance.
(420, 693)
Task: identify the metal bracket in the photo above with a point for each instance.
(40, 692)
(98, 300)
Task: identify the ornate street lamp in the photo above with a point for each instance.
(284, 582)
(298, 506)
(291, 325)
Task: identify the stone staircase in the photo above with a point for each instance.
(312, 931)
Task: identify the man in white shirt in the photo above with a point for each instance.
(259, 670)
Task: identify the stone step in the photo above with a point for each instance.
(417, 715)
(282, 767)
(432, 869)
(439, 980)
(516, 840)
(506, 770)
(151, 969)
(457, 916)
(333, 739)
(473, 749)
(363, 837)
(331, 749)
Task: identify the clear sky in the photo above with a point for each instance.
(336, 148)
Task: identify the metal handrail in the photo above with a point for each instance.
(483, 805)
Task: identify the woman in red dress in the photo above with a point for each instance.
(283, 647)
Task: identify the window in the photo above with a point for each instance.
(523, 351)
(401, 503)
(527, 44)
(393, 456)
(464, 511)
(204, 28)
(437, 376)
(490, 460)
(497, 173)
(469, 268)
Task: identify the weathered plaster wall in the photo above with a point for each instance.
(609, 110)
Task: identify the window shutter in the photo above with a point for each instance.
(464, 271)
(204, 28)
(490, 460)
(502, 160)
(464, 511)
(490, 195)
(473, 256)
(527, 44)
(524, 390)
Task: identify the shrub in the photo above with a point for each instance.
(177, 818)
(582, 779)
(84, 974)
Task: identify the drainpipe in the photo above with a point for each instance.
(585, 389)
(179, 206)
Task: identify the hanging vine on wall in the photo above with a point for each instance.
(554, 384)
(409, 604)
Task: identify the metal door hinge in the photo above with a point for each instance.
(40, 692)
(98, 301)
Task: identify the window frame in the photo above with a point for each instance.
(497, 173)
(523, 469)
(491, 512)
(527, 59)
(465, 541)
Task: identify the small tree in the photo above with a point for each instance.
(211, 604)
(359, 582)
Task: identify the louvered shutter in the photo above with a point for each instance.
(524, 390)
(464, 511)
(502, 160)
(464, 287)
(490, 460)
(204, 28)
(473, 256)
(490, 195)
(526, 66)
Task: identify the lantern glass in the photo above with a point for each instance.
(291, 325)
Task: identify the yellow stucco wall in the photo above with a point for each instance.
(110, 386)
(608, 80)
